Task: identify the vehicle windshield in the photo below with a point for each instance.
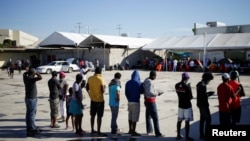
(52, 64)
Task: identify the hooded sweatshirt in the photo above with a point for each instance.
(133, 88)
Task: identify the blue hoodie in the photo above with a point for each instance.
(133, 88)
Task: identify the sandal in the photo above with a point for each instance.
(56, 126)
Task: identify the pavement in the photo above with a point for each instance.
(12, 108)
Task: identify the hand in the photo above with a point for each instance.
(210, 93)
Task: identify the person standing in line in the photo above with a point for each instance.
(19, 65)
(68, 100)
(114, 100)
(76, 106)
(133, 89)
(96, 88)
(54, 89)
(30, 78)
(185, 111)
(225, 94)
(150, 94)
(175, 62)
(203, 105)
(238, 93)
(83, 71)
(62, 96)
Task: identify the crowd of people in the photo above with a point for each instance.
(71, 106)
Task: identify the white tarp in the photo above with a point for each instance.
(198, 42)
(63, 39)
(129, 42)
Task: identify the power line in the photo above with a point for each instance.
(119, 28)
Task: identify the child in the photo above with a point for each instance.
(68, 99)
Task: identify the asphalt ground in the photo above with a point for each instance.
(12, 108)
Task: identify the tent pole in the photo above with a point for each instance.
(204, 54)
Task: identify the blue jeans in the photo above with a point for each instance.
(151, 112)
(114, 115)
(31, 106)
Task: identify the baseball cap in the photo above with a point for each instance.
(225, 76)
(185, 75)
(62, 74)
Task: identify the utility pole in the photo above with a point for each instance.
(119, 29)
(79, 27)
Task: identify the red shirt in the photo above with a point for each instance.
(235, 100)
(225, 93)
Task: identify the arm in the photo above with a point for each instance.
(118, 93)
(39, 77)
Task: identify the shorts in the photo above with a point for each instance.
(68, 113)
(54, 105)
(97, 108)
(133, 111)
(75, 107)
(185, 114)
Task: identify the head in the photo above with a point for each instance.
(152, 75)
(32, 71)
(98, 70)
(207, 77)
(135, 76)
(78, 78)
(70, 91)
(62, 75)
(225, 77)
(118, 75)
(54, 74)
(185, 77)
(234, 75)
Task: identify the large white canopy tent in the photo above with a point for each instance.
(63, 39)
(114, 41)
(212, 42)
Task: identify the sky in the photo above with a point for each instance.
(136, 18)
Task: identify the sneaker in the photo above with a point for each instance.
(135, 134)
(159, 135)
(150, 133)
(101, 135)
(178, 137)
(93, 132)
(30, 134)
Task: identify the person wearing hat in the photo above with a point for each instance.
(54, 89)
(62, 96)
(203, 105)
(30, 78)
(185, 112)
(225, 94)
(238, 93)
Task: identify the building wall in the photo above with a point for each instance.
(21, 38)
(4, 57)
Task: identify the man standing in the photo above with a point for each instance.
(150, 94)
(225, 94)
(96, 88)
(114, 100)
(29, 79)
(54, 89)
(203, 105)
(133, 89)
(238, 93)
(62, 96)
(185, 112)
(83, 71)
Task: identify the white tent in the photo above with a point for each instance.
(199, 42)
(118, 41)
(63, 39)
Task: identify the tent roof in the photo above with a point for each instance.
(129, 42)
(59, 39)
(197, 42)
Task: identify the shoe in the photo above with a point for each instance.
(101, 135)
(93, 132)
(135, 134)
(189, 139)
(160, 135)
(129, 132)
(56, 126)
(178, 137)
(150, 133)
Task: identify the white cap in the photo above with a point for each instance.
(225, 76)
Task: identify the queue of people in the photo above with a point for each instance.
(229, 93)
